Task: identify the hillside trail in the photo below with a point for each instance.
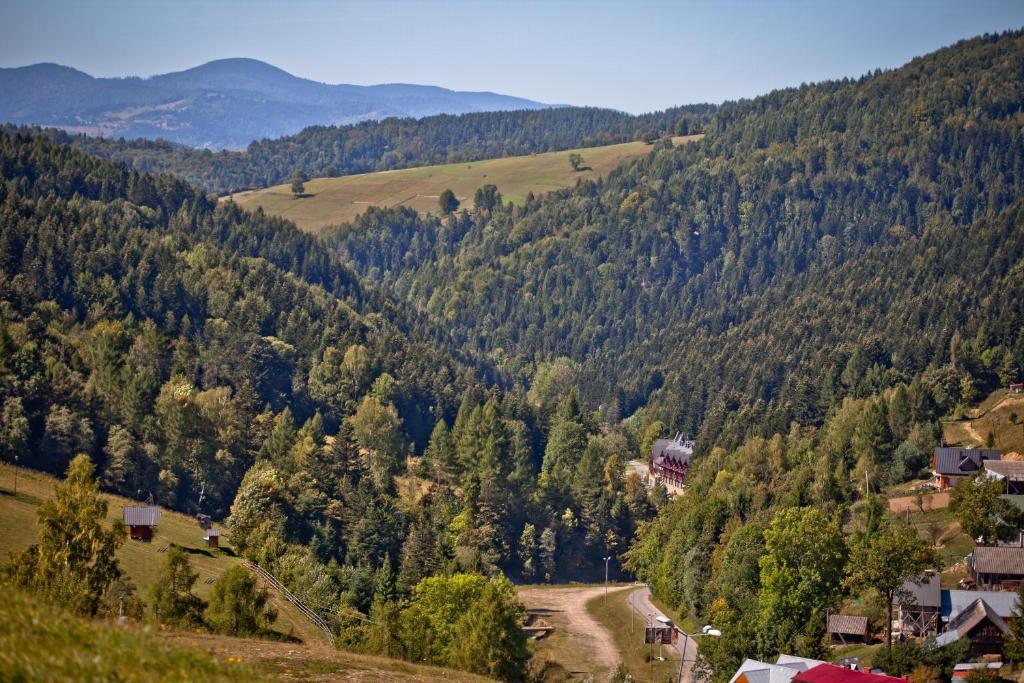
(596, 644)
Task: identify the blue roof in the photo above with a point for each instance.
(955, 601)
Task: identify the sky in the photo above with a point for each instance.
(633, 55)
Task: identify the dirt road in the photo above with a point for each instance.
(590, 645)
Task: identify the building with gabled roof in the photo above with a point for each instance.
(996, 567)
(830, 673)
(952, 465)
(1003, 603)
(847, 628)
(141, 520)
(980, 624)
(670, 459)
(782, 671)
(1010, 472)
(918, 605)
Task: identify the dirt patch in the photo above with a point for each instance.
(579, 643)
(933, 501)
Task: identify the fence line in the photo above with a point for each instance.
(317, 620)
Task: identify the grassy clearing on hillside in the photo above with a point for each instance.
(40, 643)
(330, 201)
(141, 561)
(1001, 414)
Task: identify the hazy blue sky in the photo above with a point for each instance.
(631, 55)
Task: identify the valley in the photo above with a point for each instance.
(450, 383)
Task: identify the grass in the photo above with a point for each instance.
(140, 561)
(863, 653)
(38, 643)
(638, 658)
(42, 644)
(331, 201)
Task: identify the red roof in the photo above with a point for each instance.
(830, 673)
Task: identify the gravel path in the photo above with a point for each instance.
(568, 605)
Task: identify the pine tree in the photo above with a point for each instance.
(173, 600)
(238, 607)
(440, 453)
(384, 582)
(419, 557)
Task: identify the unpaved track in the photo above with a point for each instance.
(570, 603)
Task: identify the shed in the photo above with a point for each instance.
(141, 520)
(212, 538)
(998, 567)
(847, 628)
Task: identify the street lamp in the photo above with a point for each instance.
(606, 560)
(706, 631)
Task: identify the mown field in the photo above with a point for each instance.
(330, 201)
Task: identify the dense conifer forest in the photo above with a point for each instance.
(392, 143)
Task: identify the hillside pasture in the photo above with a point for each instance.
(331, 201)
(140, 560)
(1001, 414)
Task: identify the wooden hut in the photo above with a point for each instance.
(847, 628)
(212, 538)
(141, 520)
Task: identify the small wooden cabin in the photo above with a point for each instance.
(141, 520)
(844, 629)
(212, 538)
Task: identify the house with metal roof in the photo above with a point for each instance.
(141, 520)
(670, 459)
(831, 673)
(1010, 472)
(996, 567)
(952, 465)
(981, 625)
(1003, 603)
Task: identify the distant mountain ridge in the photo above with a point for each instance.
(223, 104)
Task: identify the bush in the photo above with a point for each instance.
(238, 607)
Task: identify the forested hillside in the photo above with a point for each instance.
(825, 241)
(392, 143)
(226, 363)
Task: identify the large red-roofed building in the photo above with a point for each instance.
(830, 673)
